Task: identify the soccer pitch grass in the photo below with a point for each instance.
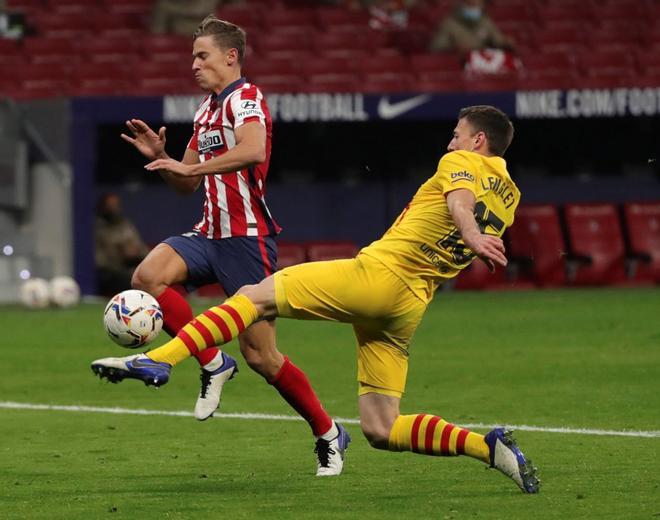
(567, 358)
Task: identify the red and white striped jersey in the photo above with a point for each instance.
(234, 203)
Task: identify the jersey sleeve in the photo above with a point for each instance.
(192, 144)
(456, 171)
(246, 106)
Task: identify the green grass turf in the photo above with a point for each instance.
(570, 358)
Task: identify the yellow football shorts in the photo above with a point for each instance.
(362, 291)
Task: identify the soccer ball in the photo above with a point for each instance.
(35, 293)
(64, 291)
(132, 318)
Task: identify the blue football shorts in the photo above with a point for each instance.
(232, 262)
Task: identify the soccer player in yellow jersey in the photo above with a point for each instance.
(459, 214)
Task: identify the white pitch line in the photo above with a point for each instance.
(11, 405)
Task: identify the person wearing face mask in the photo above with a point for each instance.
(119, 247)
(469, 28)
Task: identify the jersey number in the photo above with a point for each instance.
(453, 242)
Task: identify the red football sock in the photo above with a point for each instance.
(177, 314)
(293, 385)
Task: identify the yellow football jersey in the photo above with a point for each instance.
(423, 246)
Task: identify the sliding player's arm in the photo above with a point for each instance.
(489, 248)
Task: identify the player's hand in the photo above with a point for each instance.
(489, 248)
(175, 167)
(149, 143)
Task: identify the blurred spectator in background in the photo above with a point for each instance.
(469, 28)
(180, 16)
(12, 23)
(119, 247)
(388, 14)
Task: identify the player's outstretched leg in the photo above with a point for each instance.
(431, 435)
(214, 375)
(507, 457)
(138, 366)
(330, 450)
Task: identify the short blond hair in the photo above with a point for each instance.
(226, 35)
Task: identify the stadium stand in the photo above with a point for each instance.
(289, 254)
(596, 243)
(478, 277)
(318, 251)
(612, 39)
(643, 233)
(536, 245)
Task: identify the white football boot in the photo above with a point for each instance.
(330, 454)
(507, 457)
(212, 382)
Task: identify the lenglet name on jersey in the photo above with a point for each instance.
(501, 189)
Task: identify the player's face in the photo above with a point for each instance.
(210, 63)
(465, 138)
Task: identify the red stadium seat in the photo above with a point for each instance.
(432, 83)
(63, 26)
(607, 65)
(278, 83)
(551, 13)
(329, 17)
(277, 18)
(477, 276)
(289, 254)
(328, 65)
(318, 251)
(536, 245)
(242, 15)
(339, 40)
(267, 67)
(65, 7)
(648, 63)
(282, 45)
(440, 63)
(596, 243)
(388, 82)
(141, 9)
(93, 79)
(520, 14)
(563, 40)
(643, 228)
(339, 82)
(492, 83)
(394, 63)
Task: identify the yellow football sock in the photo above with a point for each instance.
(431, 435)
(216, 326)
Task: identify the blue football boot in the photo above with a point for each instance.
(138, 366)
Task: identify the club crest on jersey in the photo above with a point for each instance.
(209, 141)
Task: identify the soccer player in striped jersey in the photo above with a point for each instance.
(234, 242)
(458, 214)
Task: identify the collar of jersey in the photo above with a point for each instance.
(228, 90)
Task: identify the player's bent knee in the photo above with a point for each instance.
(377, 435)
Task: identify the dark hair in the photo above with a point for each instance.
(225, 35)
(493, 122)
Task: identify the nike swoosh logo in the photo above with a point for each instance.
(141, 363)
(387, 110)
